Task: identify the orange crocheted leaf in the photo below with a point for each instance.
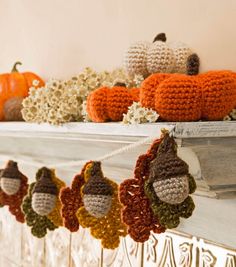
(108, 228)
(97, 105)
(55, 216)
(71, 200)
(137, 213)
(148, 89)
(219, 94)
(179, 98)
(14, 201)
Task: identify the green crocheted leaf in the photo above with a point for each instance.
(39, 224)
(168, 215)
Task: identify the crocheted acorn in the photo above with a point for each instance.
(12, 109)
(10, 178)
(219, 94)
(179, 98)
(101, 211)
(13, 201)
(169, 184)
(149, 87)
(160, 57)
(44, 194)
(106, 104)
(97, 192)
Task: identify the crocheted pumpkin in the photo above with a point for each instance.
(179, 98)
(169, 184)
(219, 94)
(15, 85)
(147, 58)
(109, 104)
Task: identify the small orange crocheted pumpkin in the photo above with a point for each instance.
(219, 94)
(109, 104)
(15, 85)
(179, 98)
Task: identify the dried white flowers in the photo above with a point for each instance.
(138, 114)
(231, 116)
(63, 101)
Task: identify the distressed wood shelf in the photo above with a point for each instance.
(208, 147)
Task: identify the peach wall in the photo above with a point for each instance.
(57, 38)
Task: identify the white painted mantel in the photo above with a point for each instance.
(208, 147)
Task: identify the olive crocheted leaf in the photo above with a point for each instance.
(39, 224)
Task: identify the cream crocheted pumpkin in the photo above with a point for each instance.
(157, 57)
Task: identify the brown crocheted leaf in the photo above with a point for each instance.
(71, 200)
(14, 201)
(137, 213)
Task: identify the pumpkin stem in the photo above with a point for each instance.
(120, 84)
(160, 37)
(193, 64)
(14, 69)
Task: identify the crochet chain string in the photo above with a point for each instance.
(72, 163)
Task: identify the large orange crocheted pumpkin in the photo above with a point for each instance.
(179, 97)
(109, 104)
(14, 86)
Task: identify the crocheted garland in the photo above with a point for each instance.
(169, 184)
(71, 201)
(40, 224)
(102, 210)
(137, 213)
(15, 183)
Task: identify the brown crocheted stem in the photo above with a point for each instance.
(11, 171)
(120, 84)
(160, 37)
(45, 183)
(96, 184)
(193, 64)
(167, 164)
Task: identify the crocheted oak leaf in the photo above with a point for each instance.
(55, 215)
(108, 228)
(14, 201)
(137, 213)
(169, 185)
(39, 224)
(71, 200)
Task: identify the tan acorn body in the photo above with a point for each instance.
(10, 178)
(44, 194)
(97, 192)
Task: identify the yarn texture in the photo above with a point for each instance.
(179, 98)
(14, 201)
(169, 184)
(149, 87)
(107, 225)
(71, 200)
(137, 213)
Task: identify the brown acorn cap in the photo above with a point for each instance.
(45, 183)
(11, 171)
(97, 185)
(167, 164)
